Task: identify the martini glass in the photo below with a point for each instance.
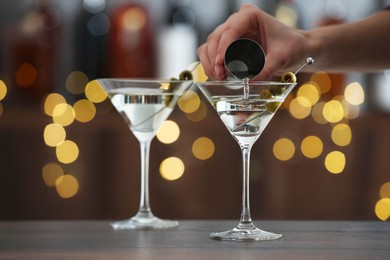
(144, 104)
(245, 108)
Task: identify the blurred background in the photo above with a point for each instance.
(65, 153)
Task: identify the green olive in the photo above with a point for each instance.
(185, 75)
(169, 86)
(289, 77)
(266, 94)
(278, 90)
(273, 106)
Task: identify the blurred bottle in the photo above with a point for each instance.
(33, 53)
(131, 43)
(177, 40)
(91, 35)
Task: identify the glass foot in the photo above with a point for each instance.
(245, 233)
(144, 221)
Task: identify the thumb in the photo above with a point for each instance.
(267, 72)
(274, 62)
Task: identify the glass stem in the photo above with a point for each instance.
(245, 219)
(144, 206)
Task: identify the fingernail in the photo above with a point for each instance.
(217, 59)
(217, 69)
(218, 72)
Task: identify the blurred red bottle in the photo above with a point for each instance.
(131, 46)
(33, 48)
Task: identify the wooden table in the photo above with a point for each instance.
(96, 240)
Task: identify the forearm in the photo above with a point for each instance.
(360, 46)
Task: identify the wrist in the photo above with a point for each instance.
(315, 44)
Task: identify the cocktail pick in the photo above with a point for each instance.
(309, 61)
(292, 76)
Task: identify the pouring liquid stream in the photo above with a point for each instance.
(246, 88)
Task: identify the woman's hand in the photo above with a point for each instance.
(285, 47)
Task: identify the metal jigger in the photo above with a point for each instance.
(244, 58)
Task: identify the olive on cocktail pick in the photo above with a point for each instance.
(292, 76)
(185, 75)
(289, 77)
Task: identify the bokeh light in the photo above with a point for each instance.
(51, 172)
(189, 102)
(134, 19)
(26, 74)
(335, 162)
(284, 149)
(317, 113)
(341, 134)
(63, 114)
(3, 90)
(384, 191)
(169, 132)
(333, 111)
(84, 110)
(199, 114)
(99, 24)
(312, 146)
(172, 168)
(299, 111)
(322, 80)
(304, 102)
(54, 134)
(350, 111)
(345, 105)
(94, 92)
(75, 82)
(51, 101)
(287, 15)
(382, 209)
(354, 94)
(310, 92)
(67, 152)
(203, 148)
(67, 186)
(94, 6)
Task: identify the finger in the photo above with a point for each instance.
(274, 63)
(269, 69)
(232, 30)
(212, 48)
(205, 61)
